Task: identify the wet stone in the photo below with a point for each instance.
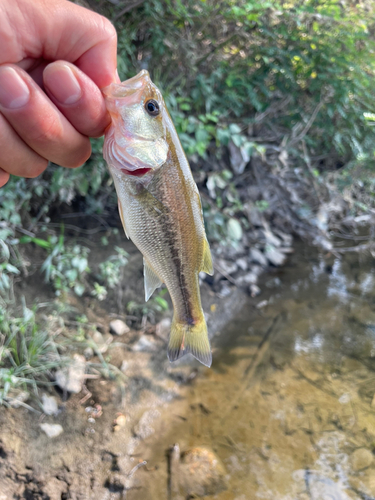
(275, 257)
(248, 279)
(254, 290)
(258, 257)
(271, 239)
(361, 459)
(242, 264)
(202, 473)
(225, 290)
(118, 327)
(253, 215)
(227, 266)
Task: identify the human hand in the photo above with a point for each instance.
(54, 58)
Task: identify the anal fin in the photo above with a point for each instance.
(152, 280)
(207, 266)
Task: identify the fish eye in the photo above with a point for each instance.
(152, 107)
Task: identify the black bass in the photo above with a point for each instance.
(160, 206)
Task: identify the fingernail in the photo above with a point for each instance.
(62, 83)
(14, 93)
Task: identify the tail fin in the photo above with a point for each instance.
(186, 338)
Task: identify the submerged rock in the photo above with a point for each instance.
(143, 429)
(361, 459)
(201, 472)
(52, 430)
(71, 378)
(118, 327)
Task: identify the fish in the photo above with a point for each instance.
(159, 206)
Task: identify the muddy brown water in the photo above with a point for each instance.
(288, 406)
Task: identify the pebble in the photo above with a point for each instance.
(274, 256)
(258, 257)
(361, 459)
(271, 238)
(88, 352)
(49, 405)
(71, 378)
(225, 290)
(145, 343)
(254, 290)
(248, 279)
(164, 327)
(253, 215)
(273, 282)
(287, 238)
(118, 327)
(17, 400)
(226, 266)
(119, 422)
(102, 341)
(52, 430)
(242, 263)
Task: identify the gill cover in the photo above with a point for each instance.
(135, 139)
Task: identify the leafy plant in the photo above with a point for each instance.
(157, 304)
(111, 269)
(66, 266)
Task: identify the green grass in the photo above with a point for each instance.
(28, 355)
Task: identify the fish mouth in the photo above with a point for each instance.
(138, 172)
(129, 87)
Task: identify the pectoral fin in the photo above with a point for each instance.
(207, 266)
(152, 280)
(122, 217)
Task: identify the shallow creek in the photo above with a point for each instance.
(288, 405)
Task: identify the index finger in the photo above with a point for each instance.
(60, 29)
